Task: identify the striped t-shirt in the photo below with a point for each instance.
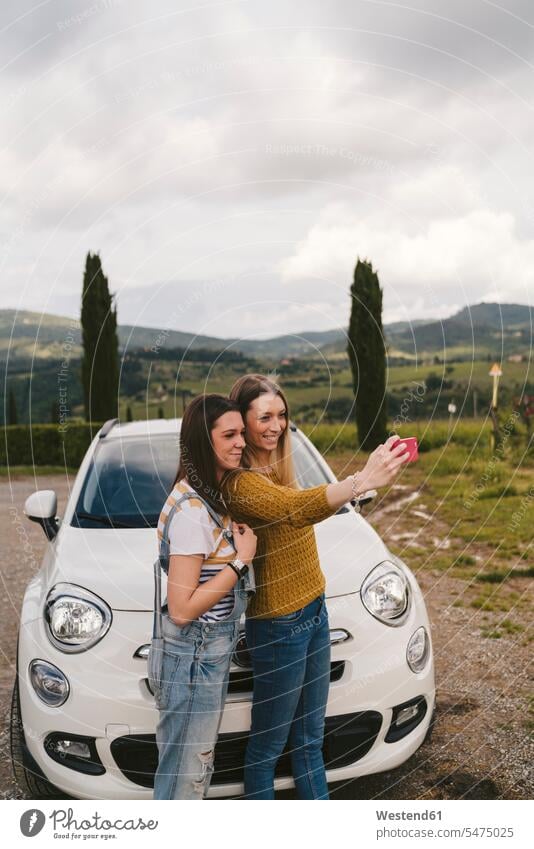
(193, 531)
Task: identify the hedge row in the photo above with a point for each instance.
(46, 444)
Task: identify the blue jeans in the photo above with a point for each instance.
(291, 664)
(190, 699)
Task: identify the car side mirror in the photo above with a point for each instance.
(365, 499)
(41, 507)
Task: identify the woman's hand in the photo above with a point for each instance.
(245, 541)
(383, 464)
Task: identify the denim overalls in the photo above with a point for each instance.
(188, 668)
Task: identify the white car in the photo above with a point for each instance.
(83, 716)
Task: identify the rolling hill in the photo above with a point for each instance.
(481, 329)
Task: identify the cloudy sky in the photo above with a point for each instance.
(231, 160)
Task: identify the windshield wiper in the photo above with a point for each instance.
(105, 520)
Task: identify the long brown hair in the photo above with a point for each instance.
(197, 457)
(244, 391)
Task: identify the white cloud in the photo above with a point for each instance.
(244, 138)
(437, 247)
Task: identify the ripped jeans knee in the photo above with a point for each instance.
(206, 763)
(191, 709)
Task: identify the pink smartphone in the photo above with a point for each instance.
(411, 445)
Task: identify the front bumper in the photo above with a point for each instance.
(348, 739)
(110, 703)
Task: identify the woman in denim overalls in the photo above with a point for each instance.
(195, 632)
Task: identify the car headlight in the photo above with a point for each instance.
(418, 649)
(386, 593)
(76, 618)
(49, 682)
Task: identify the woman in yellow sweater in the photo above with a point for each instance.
(287, 622)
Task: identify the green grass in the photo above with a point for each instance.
(502, 628)
(472, 434)
(491, 633)
(330, 438)
(496, 603)
(505, 491)
(498, 577)
(511, 627)
(470, 372)
(483, 503)
(484, 499)
(38, 471)
(465, 560)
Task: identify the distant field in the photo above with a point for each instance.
(317, 386)
(472, 373)
(317, 389)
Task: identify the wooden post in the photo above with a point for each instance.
(495, 372)
(526, 408)
(452, 409)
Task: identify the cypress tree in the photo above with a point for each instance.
(100, 358)
(367, 355)
(12, 415)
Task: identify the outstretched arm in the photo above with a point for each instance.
(255, 495)
(382, 466)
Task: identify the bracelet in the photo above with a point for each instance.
(236, 570)
(355, 488)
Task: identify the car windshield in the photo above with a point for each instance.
(129, 480)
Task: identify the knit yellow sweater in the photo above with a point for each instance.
(287, 570)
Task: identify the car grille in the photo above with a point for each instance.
(347, 739)
(240, 680)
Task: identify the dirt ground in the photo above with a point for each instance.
(479, 747)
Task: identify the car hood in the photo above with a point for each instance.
(348, 549)
(117, 564)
